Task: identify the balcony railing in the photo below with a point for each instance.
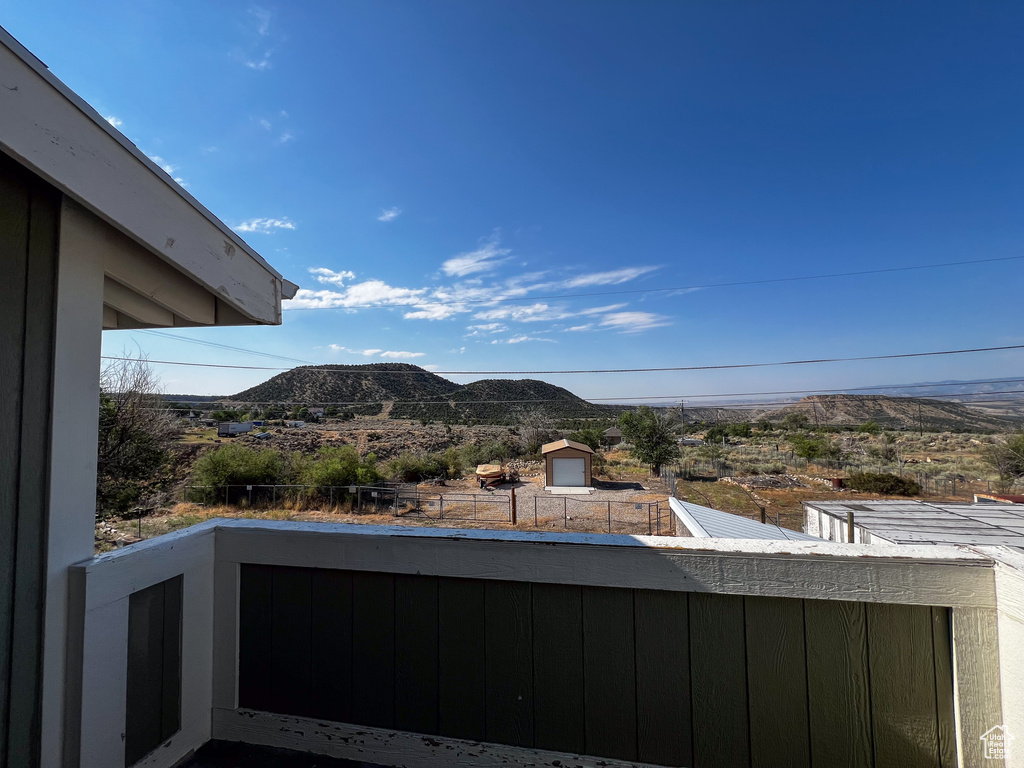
(440, 647)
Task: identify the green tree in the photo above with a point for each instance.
(652, 435)
(136, 431)
(795, 421)
(869, 427)
(589, 436)
(1007, 458)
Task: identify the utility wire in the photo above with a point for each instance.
(636, 291)
(733, 366)
(216, 345)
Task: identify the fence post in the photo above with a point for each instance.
(512, 505)
(565, 513)
(849, 526)
(535, 512)
(474, 506)
(441, 505)
(609, 505)
(650, 530)
(226, 487)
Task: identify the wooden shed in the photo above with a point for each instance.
(567, 464)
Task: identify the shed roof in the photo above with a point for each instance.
(562, 444)
(707, 523)
(613, 432)
(920, 522)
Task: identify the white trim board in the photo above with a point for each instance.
(389, 747)
(51, 131)
(761, 568)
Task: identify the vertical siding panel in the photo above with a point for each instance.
(902, 668)
(255, 619)
(170, 707)
(38, 304)
(373, 649)
(290, 640)
(331, 683)
(943, 654)
(509, 663)
(558, 667)
(663, 678)
(609, 672)
(14, 215)
(718, 672)
(777, 682)
(145, 672)
(416, 654)
(462, 694)
(837, 683)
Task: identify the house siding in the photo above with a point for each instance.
(668, 678)
(29, 234)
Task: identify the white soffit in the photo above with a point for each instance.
(49, 129)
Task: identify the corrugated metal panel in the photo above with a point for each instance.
(920, 522)
(704, 522)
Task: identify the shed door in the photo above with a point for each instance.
(571, 472)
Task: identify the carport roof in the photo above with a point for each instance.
(559, 445)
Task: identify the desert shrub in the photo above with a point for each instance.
(339, 466)
(883, 483)
(815, 448)
(237, 465)
(491, 452)
(869, 427)
(411, 467)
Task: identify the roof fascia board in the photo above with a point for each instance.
(51, 130)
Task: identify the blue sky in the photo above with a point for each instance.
(423, 153)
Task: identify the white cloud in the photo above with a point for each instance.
(389, 354)
(486, 328)
(520, 339)
(167, 168)
(324, 275)
(632, 322)
(260, 65)
(614, 277)
(114, 121)
(265, 124)
(586, 327)
(264, 226)
(483, 259)
(435, 312)
(263, 17)
(389, 214)
(285, 137)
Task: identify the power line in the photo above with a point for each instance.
(636, 291)
(732, 366)
(224, 346)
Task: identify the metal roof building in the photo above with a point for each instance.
(706, 523)
(917, 522)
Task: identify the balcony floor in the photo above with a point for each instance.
(230, 754)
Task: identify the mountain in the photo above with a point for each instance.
(503, 401)
(906, 412)
(376, 382)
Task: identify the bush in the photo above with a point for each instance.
(340, 466)
(415, 467)
(883, 483)
(237, 465)
(869, 427)
(815, 448)
(589, 436)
